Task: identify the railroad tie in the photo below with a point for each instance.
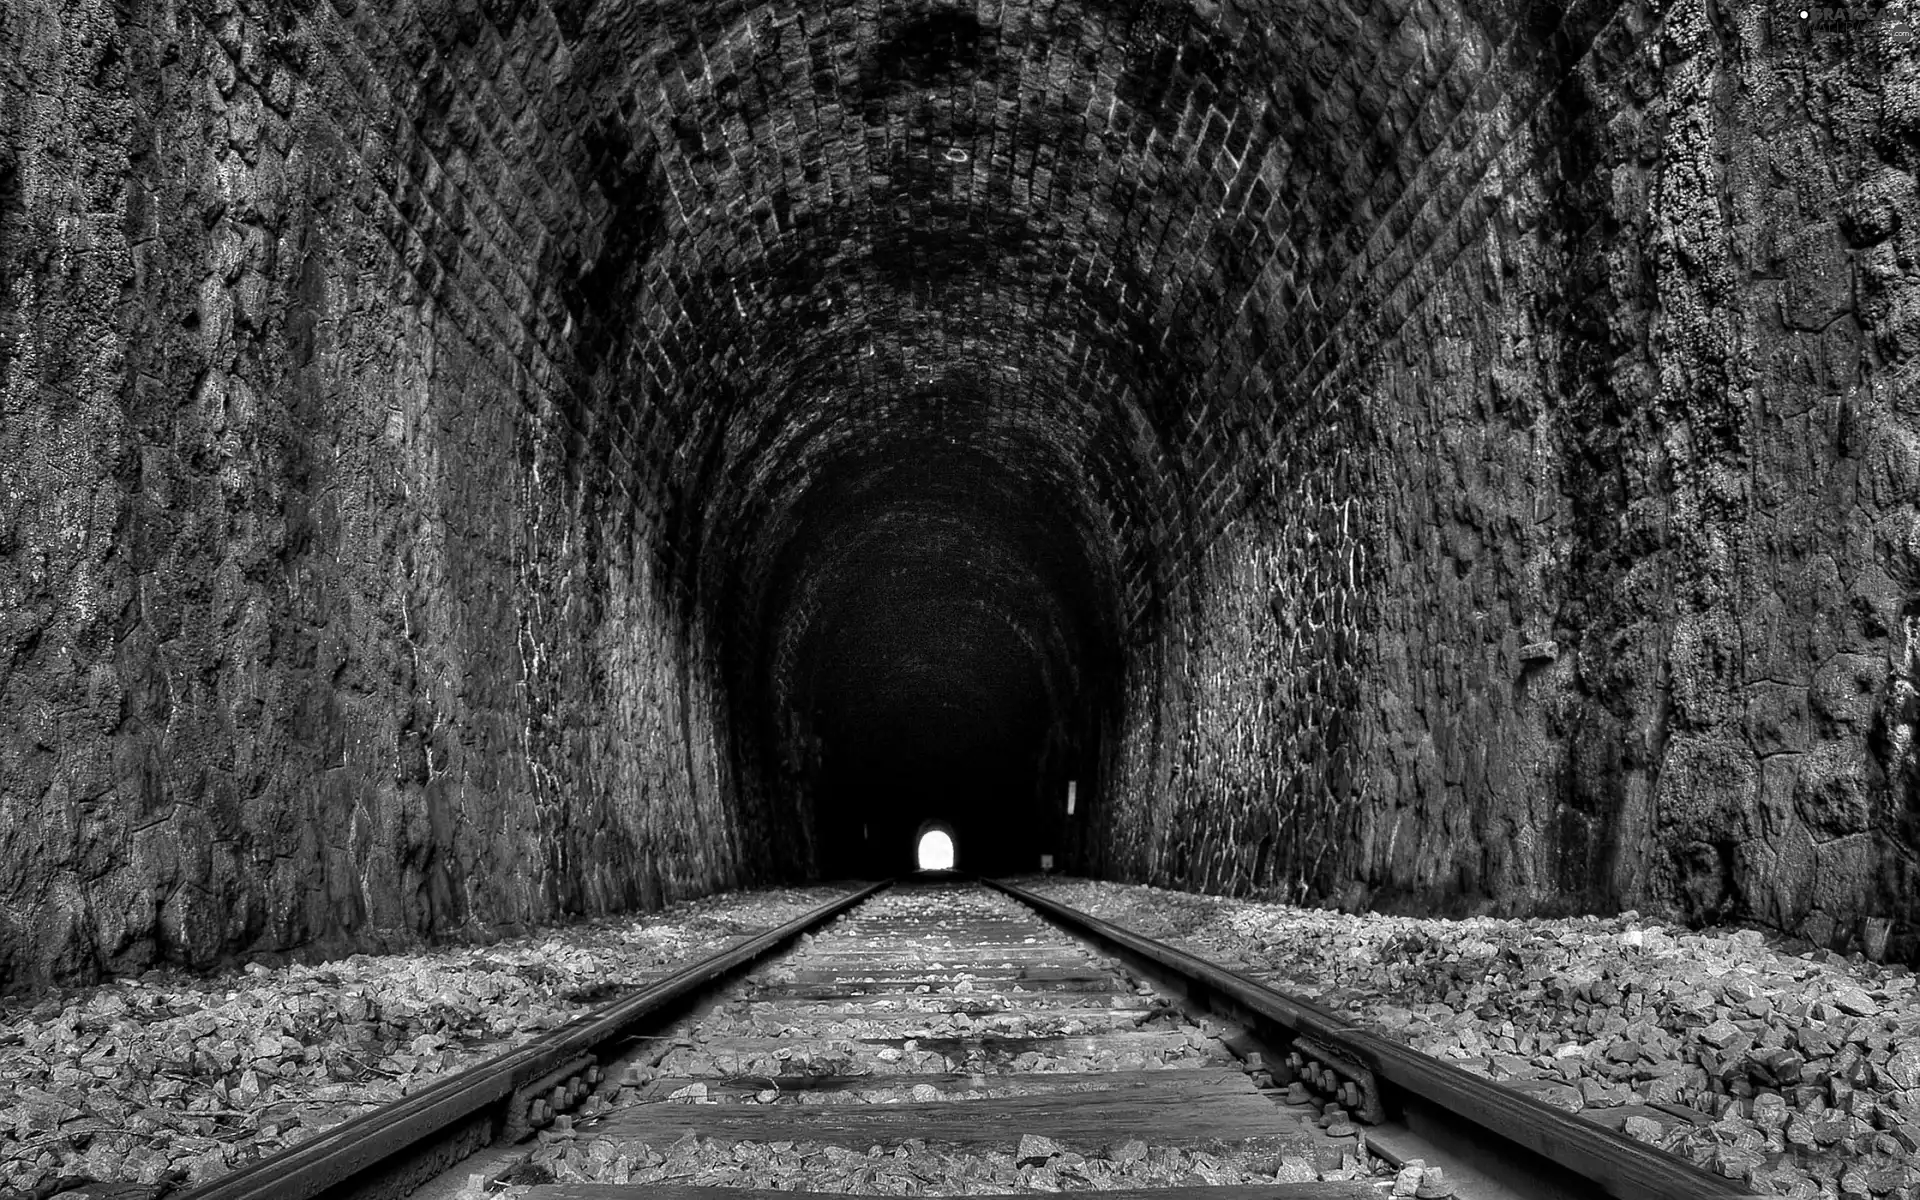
(956, 1031)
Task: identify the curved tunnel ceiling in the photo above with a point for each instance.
(1063, 264)
(489, 461)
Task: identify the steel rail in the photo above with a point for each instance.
(373, 1141)
(1461, 1106)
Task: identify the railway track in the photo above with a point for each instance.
(945, 1037)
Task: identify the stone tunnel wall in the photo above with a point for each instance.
(1643, 461)
(1651, 475)
(1498, 418)
(1240, 766)
(319, 626)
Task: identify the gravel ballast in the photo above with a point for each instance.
(1800, 1073)
(952, 1034)
(180, 1079)
(911, 1169)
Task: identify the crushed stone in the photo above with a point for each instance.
(869, 1051)
(1797, 1074)
(912, 1168)
(172, 1078)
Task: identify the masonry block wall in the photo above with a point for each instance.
(470, 463)
(1633, 317)
(1647, 628)
(316, 628)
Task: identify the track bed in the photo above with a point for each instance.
(945, 1040)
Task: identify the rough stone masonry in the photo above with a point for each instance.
(472, 463)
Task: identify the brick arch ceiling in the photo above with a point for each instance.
(1092, 255)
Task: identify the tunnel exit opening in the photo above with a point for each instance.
(935, 642)
(934, 851)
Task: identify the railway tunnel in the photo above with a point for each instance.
(470, 464)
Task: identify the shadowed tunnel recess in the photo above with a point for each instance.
(937, 347)
(921, 417)
(941, 646)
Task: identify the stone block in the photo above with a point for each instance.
(1874, 932)
(1708, 790)
(1777, 718)
(1845, 878)
(1879, 205)
(1779, 780)
(1819, 278)
(1844, 691)
(1831, 790)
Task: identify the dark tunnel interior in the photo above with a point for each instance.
(947, 645)
(929, 485)
(955, 342)
(935, 342)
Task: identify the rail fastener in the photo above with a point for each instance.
(1345, 1078)
(528, 1110)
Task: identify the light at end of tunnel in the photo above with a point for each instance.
(1073, 786)
(935, 852)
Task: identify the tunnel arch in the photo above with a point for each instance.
(1081, 357)
(1139, 303)
(621, 437)
(926, 857)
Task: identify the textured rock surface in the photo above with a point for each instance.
(467, 463)
(1793, 1073)
(920, 1170)
(1598, 593)
(166, 1080)
(315, 629)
